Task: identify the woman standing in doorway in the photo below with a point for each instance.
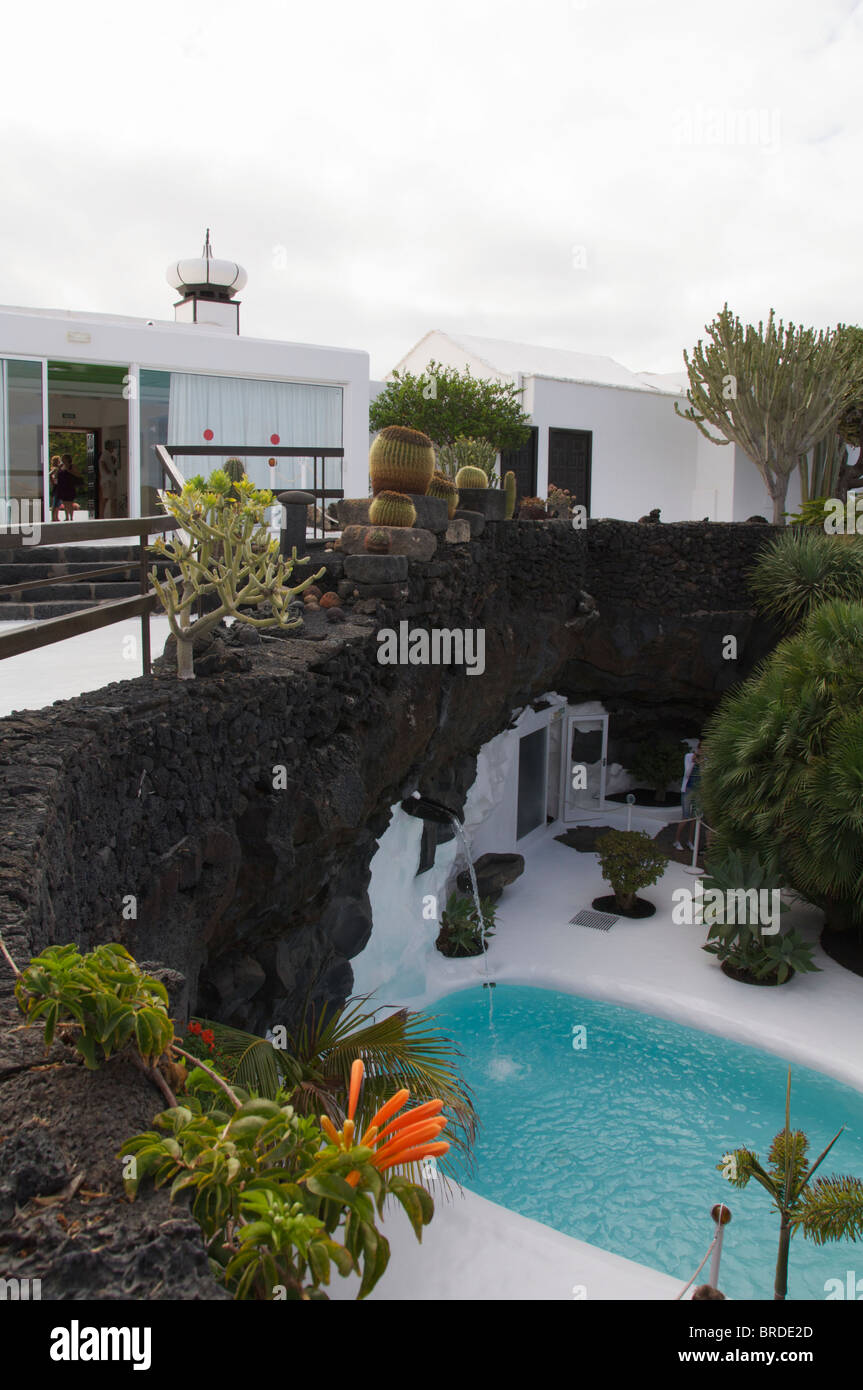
(66, 486)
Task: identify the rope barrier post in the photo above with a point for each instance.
(696, 842)
(721, 1215)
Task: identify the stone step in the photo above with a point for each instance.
(66, 593)
(70, 554)
(17, 573)
(32, 612)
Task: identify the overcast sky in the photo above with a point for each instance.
(593, 174)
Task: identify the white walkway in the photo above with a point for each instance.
(36, 679)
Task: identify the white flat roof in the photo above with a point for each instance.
(188, 330)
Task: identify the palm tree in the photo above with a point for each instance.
(401, 1051)
(783, 763)
(828, 1209)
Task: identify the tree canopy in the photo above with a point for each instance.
(446, 403)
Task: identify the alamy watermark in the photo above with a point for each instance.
(436, 646)
(701, 906)
(727, 126)
(23, 514)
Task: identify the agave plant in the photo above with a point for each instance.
(742, 931)
(400, 1051)
(827, 1209)
(799, 570)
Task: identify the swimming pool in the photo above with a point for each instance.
(617, 1143)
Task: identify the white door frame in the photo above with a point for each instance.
(570, 813)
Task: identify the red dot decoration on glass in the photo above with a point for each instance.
(275, 438)
(208, 435)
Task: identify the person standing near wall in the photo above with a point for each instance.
(689, 794)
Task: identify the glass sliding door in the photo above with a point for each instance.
(21, 437)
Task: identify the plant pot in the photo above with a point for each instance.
(432, 513)
(640, 908)
(490, 501)
(745, 977)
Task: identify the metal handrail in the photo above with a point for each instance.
(46, 631)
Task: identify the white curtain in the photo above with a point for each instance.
(241, 412)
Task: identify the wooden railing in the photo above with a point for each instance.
(47, 631)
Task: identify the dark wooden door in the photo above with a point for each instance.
(569, 454)
(522, 462)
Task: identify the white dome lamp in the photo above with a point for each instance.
(208, 287)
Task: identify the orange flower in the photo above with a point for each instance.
(396, 1138)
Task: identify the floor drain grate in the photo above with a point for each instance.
(600, 921)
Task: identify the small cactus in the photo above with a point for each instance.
(235, 470)
(471, 477)
(377, 542)
(401, 460)
(444, 488)
(509, 487)
(392, 509)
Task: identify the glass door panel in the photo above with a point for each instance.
(21, 436)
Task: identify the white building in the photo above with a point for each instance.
(105, 384)
(609, 435)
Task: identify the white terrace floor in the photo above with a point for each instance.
(476, 1250)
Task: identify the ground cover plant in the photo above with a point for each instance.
(465, 929)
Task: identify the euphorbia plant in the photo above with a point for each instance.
(228, 554)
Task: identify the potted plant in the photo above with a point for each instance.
(739, 900)
(629, 860)
(463, 932)
(656, 764)
(532, 509)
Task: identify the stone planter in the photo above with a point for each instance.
(404, 540)
(490, 501)
(352, 511)
(376, 569)
(432, 513)
(475, 520)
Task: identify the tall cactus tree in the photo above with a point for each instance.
(224, 551)
(773, 390)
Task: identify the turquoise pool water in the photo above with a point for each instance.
(616, 1144)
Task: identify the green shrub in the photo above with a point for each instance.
(106, 1000)
(656, 764)
(629, 860)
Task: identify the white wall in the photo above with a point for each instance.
(643, 453)
(396, 960)
(167, 346)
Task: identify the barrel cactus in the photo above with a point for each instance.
(377, 542)
(444, 488)
(235, 470)
(471, 477)
(401, 460)
(392, 509)
(509, 487)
